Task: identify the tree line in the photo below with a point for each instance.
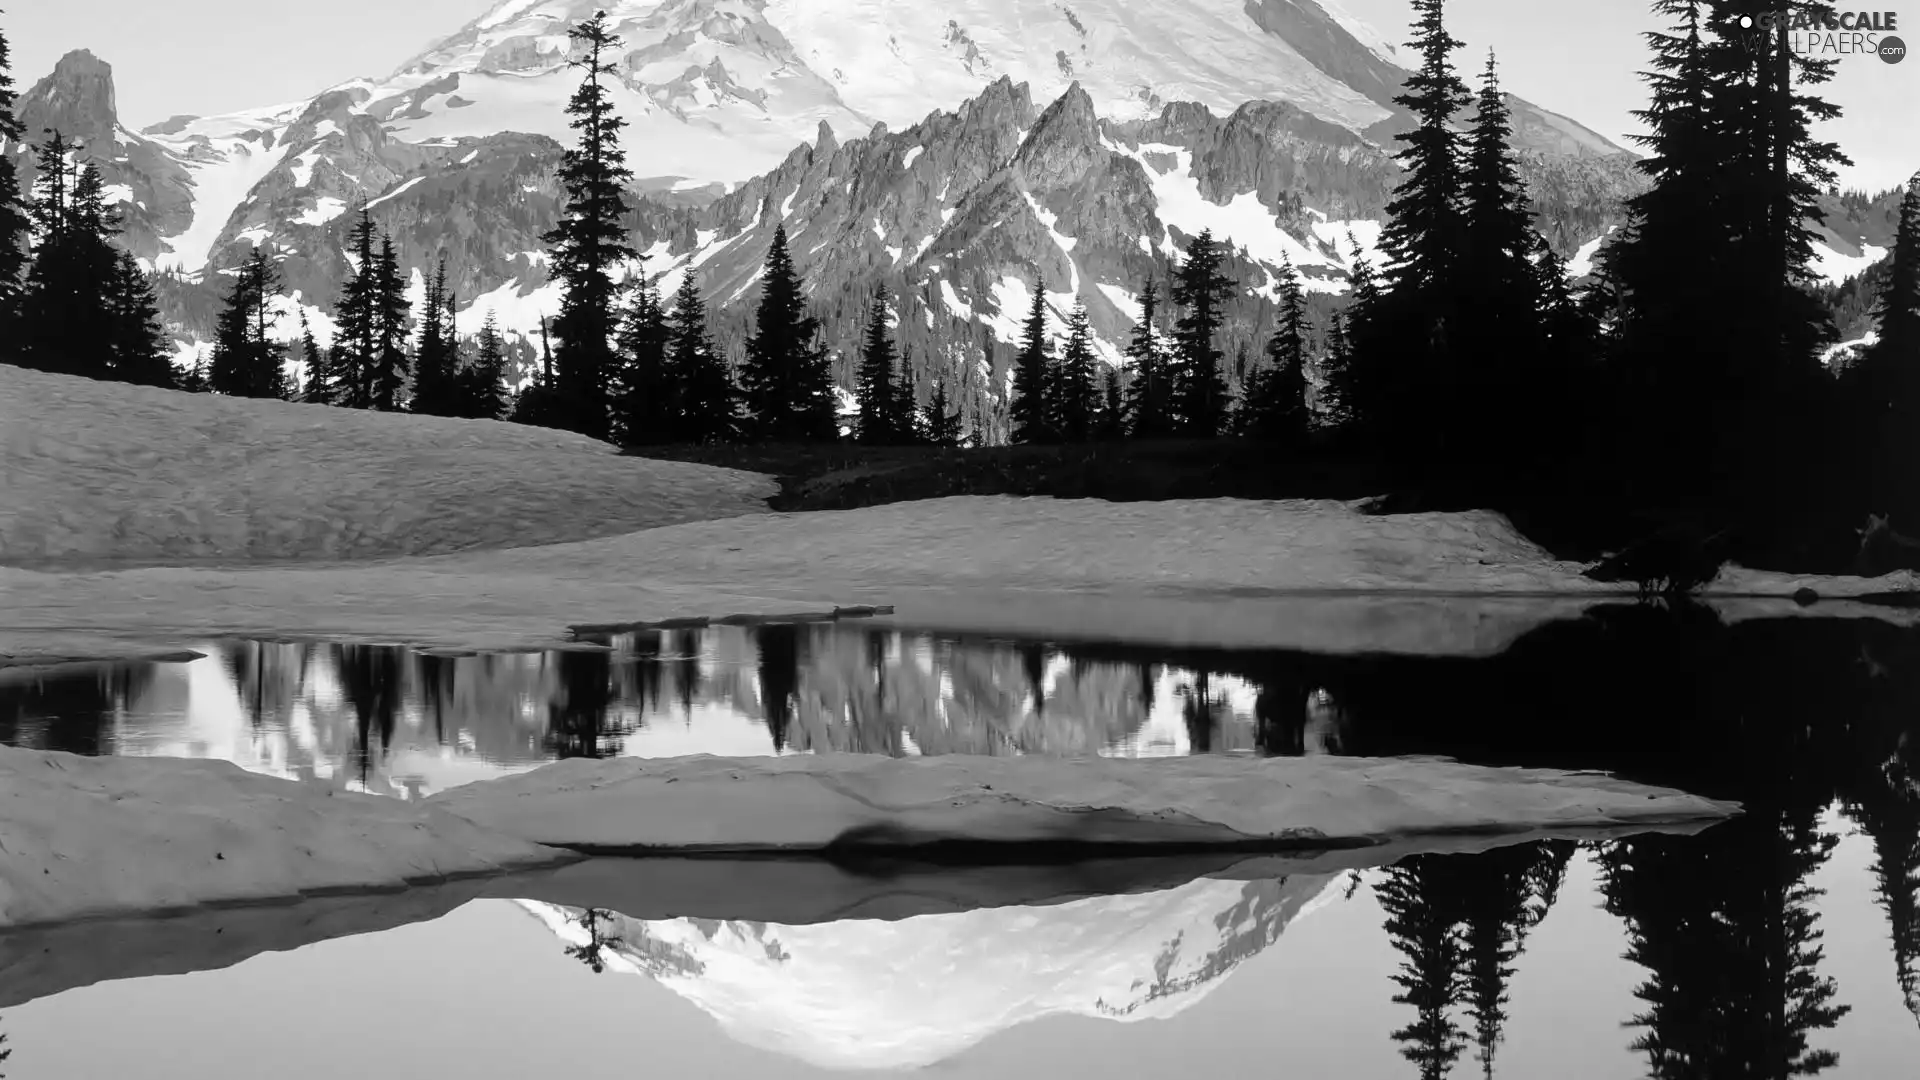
(1686, 372)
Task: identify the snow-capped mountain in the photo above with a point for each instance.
(960, 154)
(871, 994)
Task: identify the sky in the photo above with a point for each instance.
(211, 56)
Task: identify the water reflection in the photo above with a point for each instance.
(1733, 937)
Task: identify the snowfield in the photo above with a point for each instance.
(135, 521)
(115, 473)
(829, 801)
(94, 837)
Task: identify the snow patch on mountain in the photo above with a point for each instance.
(223, 180)
(1835, 267)
(908, 993)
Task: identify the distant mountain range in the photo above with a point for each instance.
(960, 154)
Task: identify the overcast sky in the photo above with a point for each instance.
(1577, 57)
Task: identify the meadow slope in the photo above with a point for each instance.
(96, 473)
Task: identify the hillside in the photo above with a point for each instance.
(96, 472)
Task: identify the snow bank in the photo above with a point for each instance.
(99, 471)
(856, 801)
(97, 837)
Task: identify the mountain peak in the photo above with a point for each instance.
(76, 99)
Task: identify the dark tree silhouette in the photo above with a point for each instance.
(436, 360)
(356, 344)
(940, 420)
(483, 385)
(876, 423)
(1073, 398)
(390, 310)
(1110, 424)
(1276, 400)
(1150, 397)
(15, 226)
(370, 681)
(1889, 375)
(778, 649)
(787, 380)
(591, 239)
(709, 401)
(247, 362)
(1032, 373)
(1200, 289)
(138, 347)
(1422, 920)
(318, 387)
(1723, 924)
(593, 953)
(647, 402)
(577, 711)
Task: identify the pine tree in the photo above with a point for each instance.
(139, 350)
(15, 225)
(484, 384)
(318, 388)
(67, 323)
(1359, 378)
(875, 395)
(1889, 374)
(1330, 403)
(647, 399)
(941, 421)
(1150, 397)
(590, 241)
(247, 362)
(535, 404)
(1410, 342)
(1032, 369)
(710, 402)
(1500, 392)
(1111, 424)
(390, 311)
(1277, 401)
(906, 406)
(786, 380)
(1075, 399)
(1200, 386)
(435, 389)
(1422, 236)
(356, 345)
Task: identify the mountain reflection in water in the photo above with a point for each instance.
(1783, 943)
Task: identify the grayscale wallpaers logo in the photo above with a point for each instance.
(1846, 33)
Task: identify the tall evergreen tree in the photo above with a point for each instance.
(536, 403)
(1410, 346)
(484, 383)
(710, 402)
(1422, 237)
(67, 323)
(786, 380)
(434, 360)
(1277, 396)
(1111, 424)
(193, 379)
(318, 387)
(590, 241)
(247, 362)
(356, 344)
(875, 424)
(1889, 375)
(1032, 369)
(1330, 403)
(1422, 922)
(391, 308)
(15, 226)
(1075, 398)
(1150, 396)
(940, 420)
(647, 399)
(139, 350)
(1501, 390)
(907, 429)
(1200, 386)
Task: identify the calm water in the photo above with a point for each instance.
(1785, 943)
